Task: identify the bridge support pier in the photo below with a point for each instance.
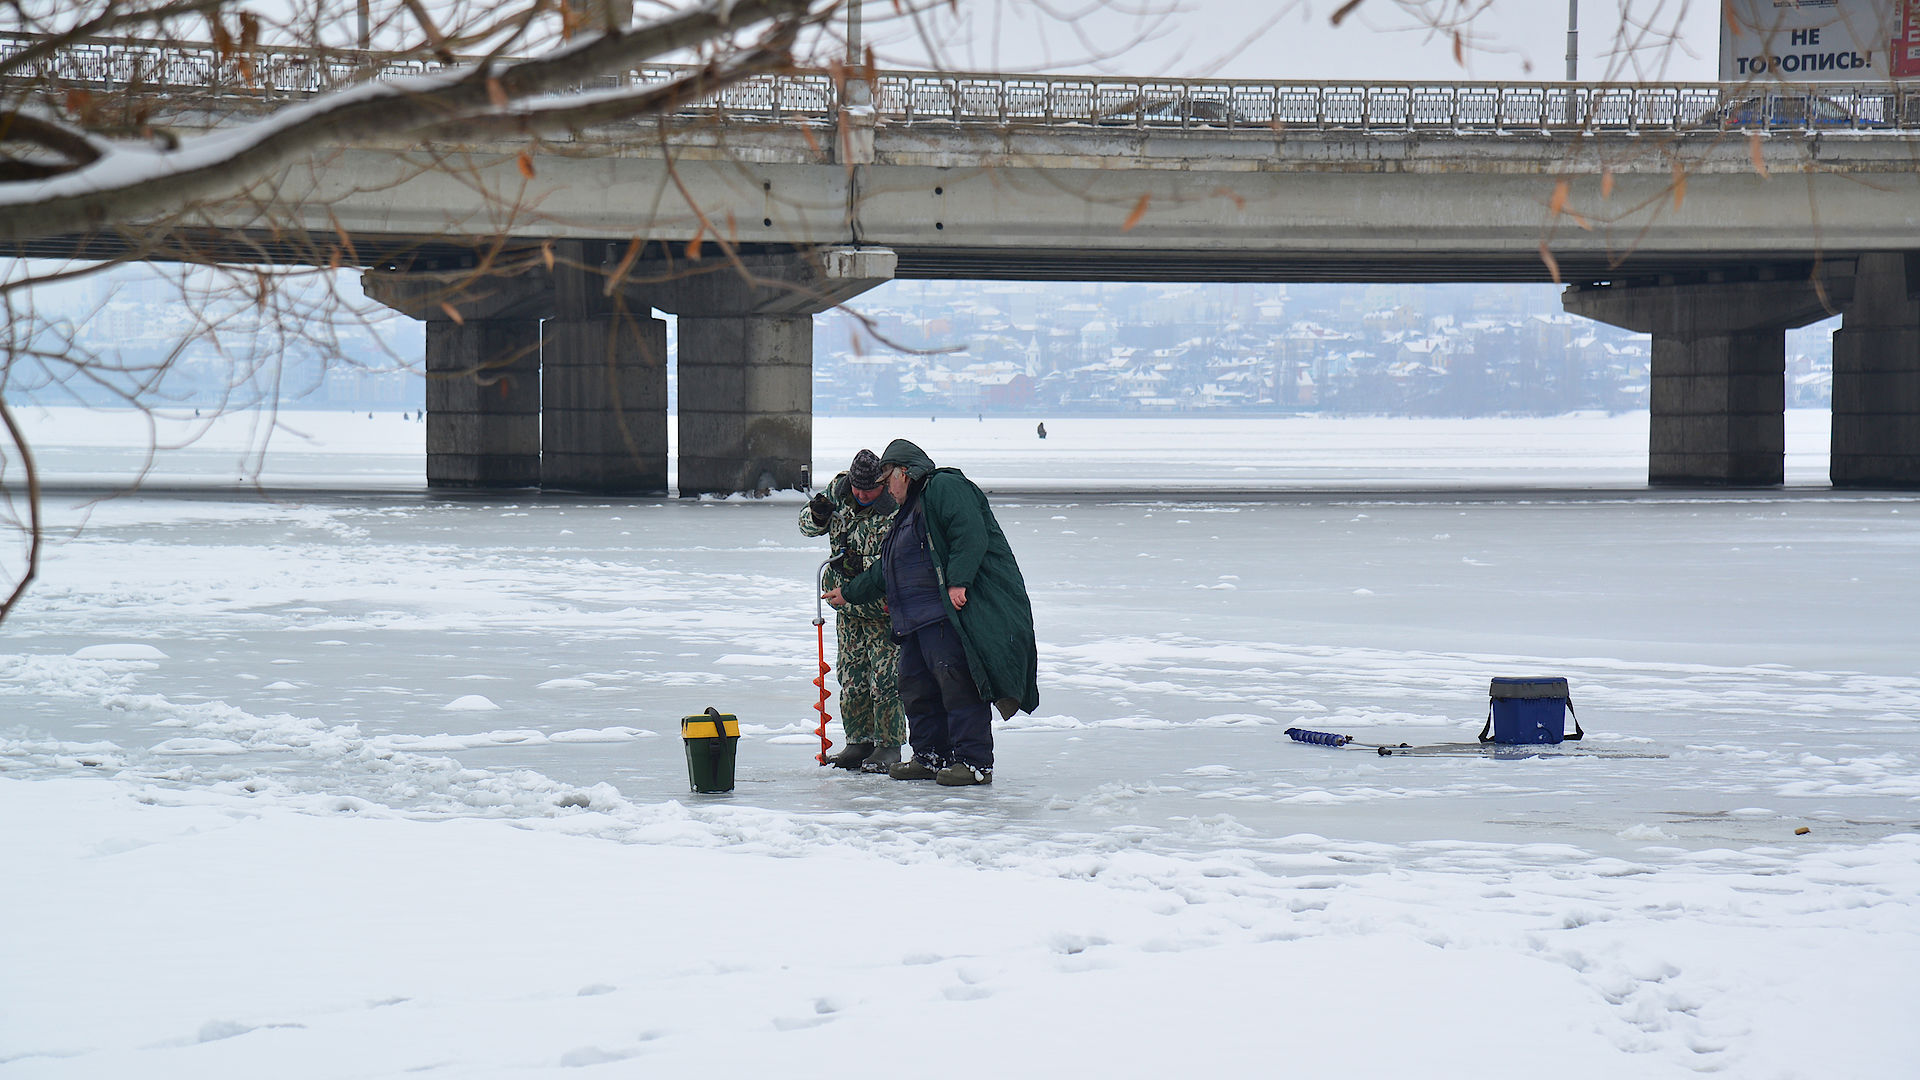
(603, 404)
(1876, 377)
(483, 403)
(746, 362)
(746, 402)
(1718, 397)
(579, 403)
(603, 389)
(483, 374)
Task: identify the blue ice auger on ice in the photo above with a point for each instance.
(1328, 738)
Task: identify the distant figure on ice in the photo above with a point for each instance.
(960, 610)
(855, 512)
(1041, 429)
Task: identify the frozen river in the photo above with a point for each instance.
(1751, 640)
(1743, 663)
(1761, 642)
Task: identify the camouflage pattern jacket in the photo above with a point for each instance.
(852, 528)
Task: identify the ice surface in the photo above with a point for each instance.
(319, 869)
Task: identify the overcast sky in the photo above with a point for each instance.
(1293, 39)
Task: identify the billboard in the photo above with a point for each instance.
(1905, 53)
(1819, 40)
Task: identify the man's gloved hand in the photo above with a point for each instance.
(822, 508)
(849, 564)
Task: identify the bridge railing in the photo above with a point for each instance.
(1263, 107)
(261, 76)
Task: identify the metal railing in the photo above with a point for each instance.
(1253, 107)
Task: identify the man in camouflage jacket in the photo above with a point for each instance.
(854, 512)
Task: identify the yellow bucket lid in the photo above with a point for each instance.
(711, 724)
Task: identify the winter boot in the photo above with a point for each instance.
(881, 760)
(917, 769)
(852, 756)
(961, 774)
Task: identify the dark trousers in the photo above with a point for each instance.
(946, 719)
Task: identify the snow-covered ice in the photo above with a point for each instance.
(252, 829)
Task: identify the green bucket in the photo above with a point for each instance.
(711, 738)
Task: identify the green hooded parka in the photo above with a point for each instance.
(969, 551)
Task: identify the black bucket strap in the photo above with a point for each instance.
(1484, 736)
(720, 726)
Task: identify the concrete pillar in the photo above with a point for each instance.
(1718, 397)
(483, 369)
(581, 405)
(1876, 377)
(1719, 409)
(604, 383)
(746, 402)
(746, 360)
(483, 403)
(603, 417)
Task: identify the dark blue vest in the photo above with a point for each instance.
(913, 589)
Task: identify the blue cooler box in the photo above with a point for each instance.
(1523, 711)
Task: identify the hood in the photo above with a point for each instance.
(902, 452)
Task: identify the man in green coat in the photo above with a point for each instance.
(959, 608)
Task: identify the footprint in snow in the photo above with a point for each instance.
(582, 1056)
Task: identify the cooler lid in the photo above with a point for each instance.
(1544, 687)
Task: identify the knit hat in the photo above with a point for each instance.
(865, 471)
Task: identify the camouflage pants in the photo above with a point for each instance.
(869, 670)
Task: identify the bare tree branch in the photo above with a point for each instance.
(573, 113)
(16, 127)
(226, 162)
(34, 529)
(435, 39)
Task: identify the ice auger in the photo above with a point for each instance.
(820, 680)
(1328, 738)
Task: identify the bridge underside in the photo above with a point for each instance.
(944, 262)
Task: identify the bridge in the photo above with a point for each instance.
(1712, 217)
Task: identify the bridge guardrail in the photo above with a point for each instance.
(1251, 106)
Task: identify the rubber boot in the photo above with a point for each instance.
(851, 756)
(960, 774)
(881, 760)
(917, 769)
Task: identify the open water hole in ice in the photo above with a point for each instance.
(506, 655)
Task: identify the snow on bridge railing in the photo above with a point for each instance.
(1069, 101)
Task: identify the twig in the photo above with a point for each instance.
(34, 530)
